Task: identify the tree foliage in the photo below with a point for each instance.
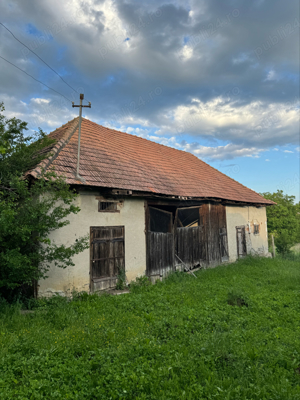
(283, 220)
(30, 210)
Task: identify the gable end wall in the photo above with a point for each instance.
(247, 216)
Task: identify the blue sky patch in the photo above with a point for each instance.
(32, 30)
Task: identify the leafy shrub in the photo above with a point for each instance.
(140, 284)
(3, 303)
(292, 256)
(29, 211)
(121, 279)
(283, 220)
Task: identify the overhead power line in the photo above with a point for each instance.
(38, 58)
(35, 78)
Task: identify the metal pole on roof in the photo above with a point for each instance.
(79, 131)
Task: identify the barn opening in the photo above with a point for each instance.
(186, 237)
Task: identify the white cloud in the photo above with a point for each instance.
(287, 151)
(236, 94)
(39, 112)
(136, 131)
(186, 53)
(272, 76)
(227, 152)
(259, 123)
(39, 101)
(267, 159)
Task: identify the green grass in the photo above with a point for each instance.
(232, 333)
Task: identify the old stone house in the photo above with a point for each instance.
(148, 208)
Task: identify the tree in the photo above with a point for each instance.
(30, 210)
(283, 220)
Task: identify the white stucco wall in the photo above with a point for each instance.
(131, 215)
(243, 216)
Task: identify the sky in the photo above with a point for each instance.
(219, 79)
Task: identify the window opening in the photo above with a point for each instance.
(188, 217)
(160, 221)
(107, 206)
(256, 229)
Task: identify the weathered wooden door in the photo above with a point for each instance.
(214, 216)
(160, 242)
(199, 236)
(241, 241)
(190, 246)
(107, 256)
(224, 244)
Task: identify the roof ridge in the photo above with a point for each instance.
(116, 159)
(138, 137)
(168, 147)
(189, 154)
(61, 143)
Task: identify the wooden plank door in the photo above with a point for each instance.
(215, 233)
(224, 244)
(160, 242)
(241, 241)
(189, 239)
(107, 256)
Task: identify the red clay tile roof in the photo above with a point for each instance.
(109, 158)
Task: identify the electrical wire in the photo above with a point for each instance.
(39, 58)
(35, 78)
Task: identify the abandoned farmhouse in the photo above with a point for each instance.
(147, 208)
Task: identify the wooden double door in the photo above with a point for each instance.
(190, 236)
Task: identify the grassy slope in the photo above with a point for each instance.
(175, 340)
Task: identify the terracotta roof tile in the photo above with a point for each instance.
(109, 158)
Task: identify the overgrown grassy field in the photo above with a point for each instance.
(232, 333)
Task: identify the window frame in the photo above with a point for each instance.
(256, 229)
(111, 202)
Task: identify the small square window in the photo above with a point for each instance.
(256, 229)
(107, 206)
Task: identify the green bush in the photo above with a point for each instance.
(283, 220)
(29, 211)
(140, 284)
(121, 279)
